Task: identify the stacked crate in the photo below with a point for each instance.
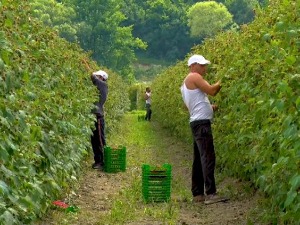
(114, 159)
(156, 183)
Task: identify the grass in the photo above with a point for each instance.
(122, 201)
(144, 146)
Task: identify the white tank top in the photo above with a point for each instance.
(148, 101)
(197, 103)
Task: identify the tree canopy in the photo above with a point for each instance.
(97, 27)
(58, 16)
(118, 32)
(206, 19)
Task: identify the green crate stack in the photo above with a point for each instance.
(156, 183)
(114, 159)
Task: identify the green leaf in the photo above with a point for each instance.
(3, 187)
(4, 156)
(8, 23)
(298, 103)
(37, 193)
(279, 105)
(25, 203)
(2, 65)
(6, 172)
(292, 33)
(267, 37)
(3, 42)
(295, 182)
(291, 195)
(10, 146)
(7, 218)
(291, 60)
(280, 26)
(9, 82)
(55, 185)
(26, 77)
(5, 57)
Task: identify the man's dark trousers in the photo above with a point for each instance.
(204, 158)
(148, 112)
(98, 139)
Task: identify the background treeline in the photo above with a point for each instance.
(116, 32)
(46, 96)
(257, 126)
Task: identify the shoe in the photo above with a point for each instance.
(97, 166)
(199, 198)
(214, 198)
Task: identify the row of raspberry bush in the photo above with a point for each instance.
(46, 96)
(257, 126)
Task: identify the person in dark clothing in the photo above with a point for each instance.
(148, 104)
(98, 140)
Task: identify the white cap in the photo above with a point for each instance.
(198, 59)
(101, 73)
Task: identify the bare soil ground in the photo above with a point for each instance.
(98, 192)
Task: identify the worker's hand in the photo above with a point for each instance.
(214, 107)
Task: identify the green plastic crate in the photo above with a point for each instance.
(156, 183)
(114, 159)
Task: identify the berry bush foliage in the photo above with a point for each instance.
(46, 97)
(257, 126)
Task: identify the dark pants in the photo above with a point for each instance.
(98, 139)
(148, 112)
(204, 159)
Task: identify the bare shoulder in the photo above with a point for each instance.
(192, 79)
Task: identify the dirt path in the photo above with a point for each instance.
(105, 198)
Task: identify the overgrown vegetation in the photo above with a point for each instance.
(257, 126)
(45, 120)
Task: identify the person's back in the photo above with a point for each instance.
(103, 92)
(98, 138)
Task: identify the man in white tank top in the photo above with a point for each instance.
(195, 90)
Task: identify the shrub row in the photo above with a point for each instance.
(46, 96)
(257, 126)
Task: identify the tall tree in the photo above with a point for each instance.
(101, 32)
(56, 15)
(205, 19)
(242, 10)
(96, 26)
(163, 25)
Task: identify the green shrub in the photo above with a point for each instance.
(136, 95)
(257, 126)
(45, 121)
